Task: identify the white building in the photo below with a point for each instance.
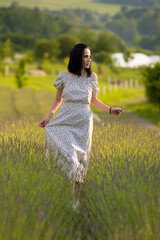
(137, 60)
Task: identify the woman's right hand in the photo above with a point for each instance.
(44, 121)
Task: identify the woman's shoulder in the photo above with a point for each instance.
(66, 73)
(62, 74)
(93, 75)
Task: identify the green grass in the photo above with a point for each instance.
(147, 110)
(120, 196)
(39, 93)
(111, 9)
(18, 102)
(118, 73)
(39, 82)
(23, 101)
(36, 82)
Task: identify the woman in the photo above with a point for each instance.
(69, 134)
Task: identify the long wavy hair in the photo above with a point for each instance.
(75, 64)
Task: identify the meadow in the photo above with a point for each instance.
(120, 197)
(111, 9)
(39, 92)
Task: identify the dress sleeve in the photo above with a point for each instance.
(95, 86)
(59, 82)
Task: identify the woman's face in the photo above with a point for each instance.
(86, 58)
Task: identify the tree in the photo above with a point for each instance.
(66, 43)
(7, 49)
(21, 73)
(103, 57)
(147, 42)
(87, 36)
(49, 47)
(21, 42)
(1, 51)
(14, 4)
(124, 9)
(152, 83)
(127, 55)
(156, 43)
(105, 42)
(148, 24)
(125, 28)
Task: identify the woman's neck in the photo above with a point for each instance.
(83, 73)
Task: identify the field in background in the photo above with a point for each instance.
(38, 94)
(111, 9)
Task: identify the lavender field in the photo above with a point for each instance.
(120, 197)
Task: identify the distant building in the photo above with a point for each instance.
(18, 56)
(12, 60)
(138, 59)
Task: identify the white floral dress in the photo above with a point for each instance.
(69, 134)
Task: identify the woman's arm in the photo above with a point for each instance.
(98, 104)
(54, 107)
(55, 104)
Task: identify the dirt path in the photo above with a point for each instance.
(140, 120)
(144, 122)
(130, 115)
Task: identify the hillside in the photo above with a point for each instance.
(141, 3)
(111, 9)
(138, 27)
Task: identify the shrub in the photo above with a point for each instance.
(46, 49)
(152, 83)
(21, 73)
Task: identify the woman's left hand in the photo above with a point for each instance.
(116, 111)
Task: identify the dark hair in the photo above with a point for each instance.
(75, 62)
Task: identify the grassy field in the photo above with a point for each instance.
(131, 99)
(39, 93)
(120, 197)
(111, 9)
(146, 110)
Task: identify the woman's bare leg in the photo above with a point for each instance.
(77, 190)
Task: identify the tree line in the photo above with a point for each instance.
(138, 27)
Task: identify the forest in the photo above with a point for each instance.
(138, 28)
